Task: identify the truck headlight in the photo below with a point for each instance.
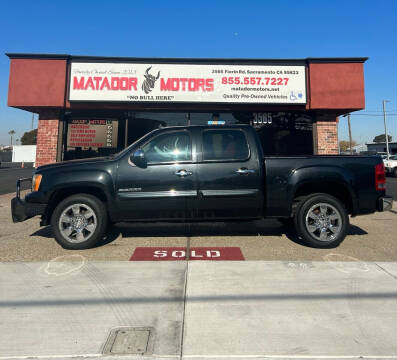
(36, 182)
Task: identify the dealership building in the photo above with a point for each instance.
(93, 106)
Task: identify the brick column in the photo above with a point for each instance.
(325, 136)
(47, 137)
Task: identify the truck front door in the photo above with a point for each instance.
(229, 175)
(163, 189)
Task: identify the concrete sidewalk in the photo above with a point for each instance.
(67, 308)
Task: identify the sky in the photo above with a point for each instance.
(220, 29)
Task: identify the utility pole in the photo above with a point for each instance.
(384, 120)
(32, 120)
(350, 134)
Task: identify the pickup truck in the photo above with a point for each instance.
(391, 165)
(203, 173)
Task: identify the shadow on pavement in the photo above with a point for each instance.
(356, 230)
(214, 298)
(248, 228)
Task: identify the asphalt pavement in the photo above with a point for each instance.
(391, 187)
(9, 177)
(370, 238)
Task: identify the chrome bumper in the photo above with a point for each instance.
(385, 203)
(22, 210)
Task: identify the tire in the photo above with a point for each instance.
(395, 172)
(321, 220)
(79, 221)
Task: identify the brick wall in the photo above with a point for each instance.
(47, 137)
(325, 134)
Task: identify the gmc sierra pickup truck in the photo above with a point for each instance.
(202, 173)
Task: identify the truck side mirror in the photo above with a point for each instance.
(138, 158)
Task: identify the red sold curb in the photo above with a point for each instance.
(179, 253)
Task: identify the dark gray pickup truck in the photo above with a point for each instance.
(201, 173)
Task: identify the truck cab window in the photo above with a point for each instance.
(169, 148)
(224, 145)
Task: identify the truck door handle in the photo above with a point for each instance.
(243, 171)
(183, 173)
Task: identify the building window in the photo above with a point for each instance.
(281, 133)
(92, 137)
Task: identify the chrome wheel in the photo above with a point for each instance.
(323, 221)
(77, 223)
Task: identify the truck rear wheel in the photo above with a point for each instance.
(321, 221)
(79, 221)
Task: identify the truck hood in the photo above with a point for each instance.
(76, 162)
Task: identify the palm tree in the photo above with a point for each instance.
(11, 132)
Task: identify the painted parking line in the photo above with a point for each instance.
(179, 253)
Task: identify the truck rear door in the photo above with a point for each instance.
(229, 174)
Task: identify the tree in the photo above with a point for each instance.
(29, 137)
(345, 144)
(11, 132)
(381, 138)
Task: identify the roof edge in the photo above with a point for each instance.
(338, 60)
(197, 60)
(37, 56)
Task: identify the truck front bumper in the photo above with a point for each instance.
(23, 209)
(385, 203)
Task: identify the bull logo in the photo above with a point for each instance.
(150, 80)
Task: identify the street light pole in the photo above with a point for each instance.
(384, 120)
(350, 134)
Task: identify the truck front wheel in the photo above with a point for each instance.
(321, 221)
(79, 221)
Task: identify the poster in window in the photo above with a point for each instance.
(92, 133)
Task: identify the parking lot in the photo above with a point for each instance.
(9, 177)
(371, 238)
(391, 186)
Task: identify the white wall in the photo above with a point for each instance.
(24, 153)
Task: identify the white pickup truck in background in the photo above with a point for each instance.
(391, 165)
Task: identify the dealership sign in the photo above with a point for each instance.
(271, 84)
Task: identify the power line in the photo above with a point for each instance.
(373, 114)
(376, 110)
